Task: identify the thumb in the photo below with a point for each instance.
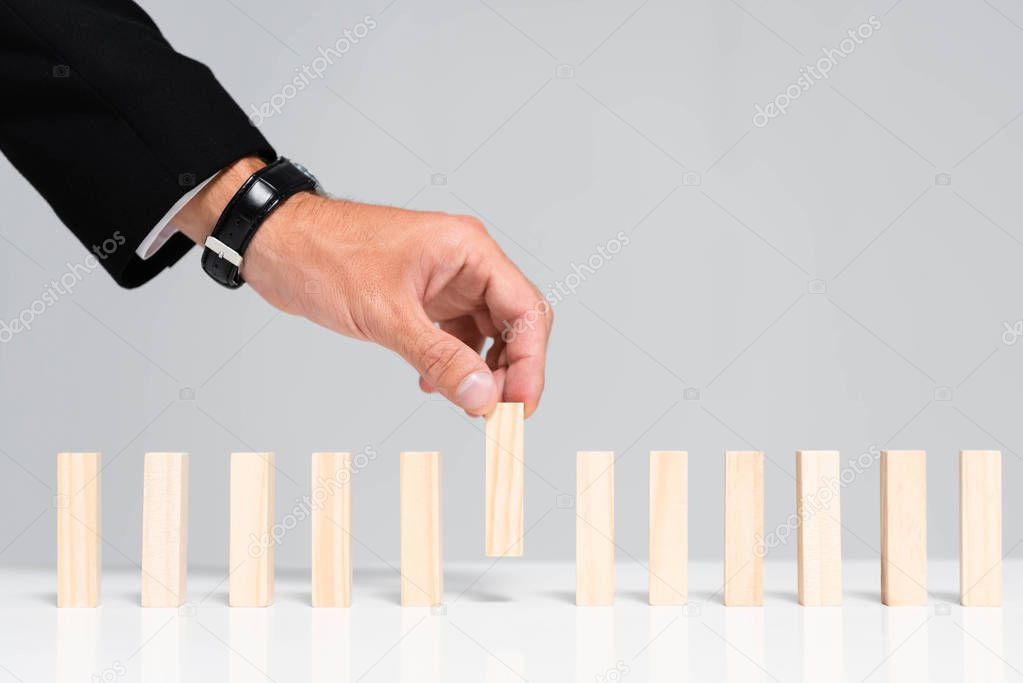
(450, 367)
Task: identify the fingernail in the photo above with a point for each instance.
(475, 390)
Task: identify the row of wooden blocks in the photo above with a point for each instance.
(816, 524)
(254, 533)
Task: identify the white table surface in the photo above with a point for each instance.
(510, 621)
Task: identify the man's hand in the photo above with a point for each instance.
(388, 275)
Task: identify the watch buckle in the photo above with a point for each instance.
(223, 251)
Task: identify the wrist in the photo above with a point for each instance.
(284, 239)
(198, 217)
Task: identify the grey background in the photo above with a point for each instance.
(713, 293)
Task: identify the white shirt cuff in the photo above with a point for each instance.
(164, 229)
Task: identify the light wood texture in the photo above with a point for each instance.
(332, 529)
(505, 473)
(669, 527)
(79, 544)
(422, 574)
(819, 528)
(980, 528)
(165, 529)
(903, 528)
(744, 528)
(594, 528)
(251, 561)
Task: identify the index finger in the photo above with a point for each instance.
(523, 318)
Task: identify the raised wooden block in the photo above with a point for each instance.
(819, 530)
(251, 561)
(332, 529)
(422, 577)
(164, 529)
(79, 544)
(669, 527)
(980, 528)
(903, 528)
(594, 528)
(505, 472)
(744, 528)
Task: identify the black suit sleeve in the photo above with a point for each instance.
(110, 124)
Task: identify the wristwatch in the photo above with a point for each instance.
(255, 200)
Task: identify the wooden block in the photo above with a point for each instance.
(422, 575)
(332, 529)
(252, 518)
(669, 527)
(165, 529)
(79, 544)
(505, 472)
(980, 528)
(819, 528)
(594, 528)
(744, 528)
(903, 528)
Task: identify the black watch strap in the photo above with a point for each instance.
(264, 191)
